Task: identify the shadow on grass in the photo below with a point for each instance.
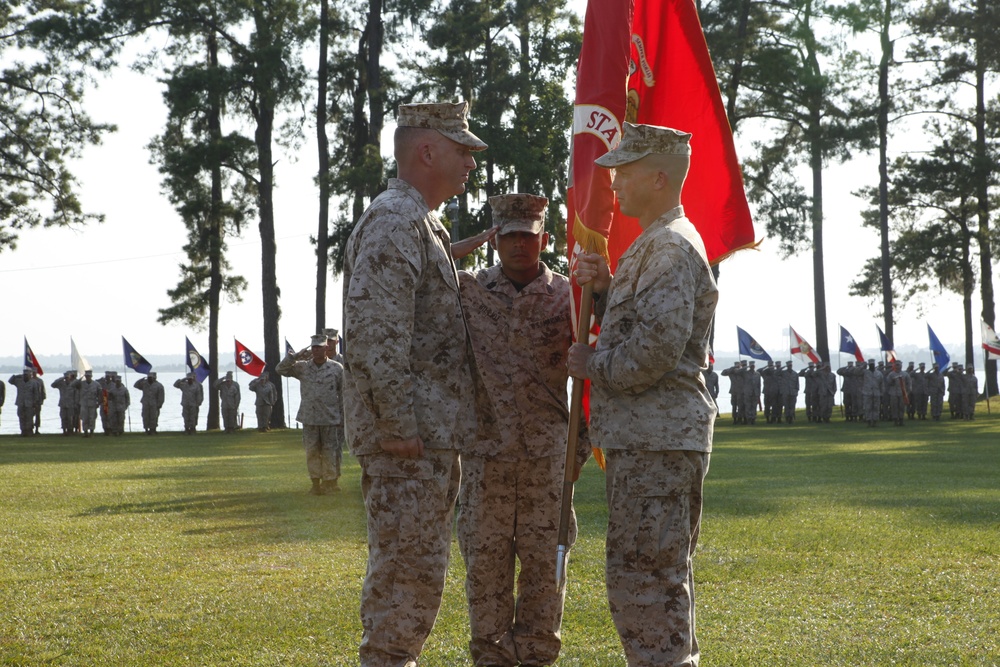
(943, 469)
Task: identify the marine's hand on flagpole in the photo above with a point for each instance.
(579, 355)
(592, 267)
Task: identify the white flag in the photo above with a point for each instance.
(77, 360)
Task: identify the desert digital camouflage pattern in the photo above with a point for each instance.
(512, 475)
(321, 390)
(409, 374)
(408, 363)
(648, 389)
(654, 416)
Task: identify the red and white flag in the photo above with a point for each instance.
(801, 347)
(247, 361)
(991, 343)
(646, 61)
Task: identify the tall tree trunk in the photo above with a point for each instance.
(732, 90)
(883, 166)
(376, 91)
(323, 228)
(263, 137)
(968, 288)
(819, 279)
(982, 172)
(215, 231)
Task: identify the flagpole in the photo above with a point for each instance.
(986, 382)
(128, 409)
(573, 434)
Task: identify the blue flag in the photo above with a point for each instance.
(941, 356)
(288, 348)
(886, 345)
(134, 360)
(195, 362)
(749, 346)
(850, 346)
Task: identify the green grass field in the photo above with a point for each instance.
(821, 545)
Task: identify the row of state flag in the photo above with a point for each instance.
(246, 360)
(800, 348)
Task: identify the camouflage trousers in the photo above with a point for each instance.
(509, 511)
(654, 503)
(230, 420)
(873, 404)
(116, 420)
(26, 419)
(937, 404)
(190, 414)
(323, 450)
(88, 417)
(264, 416)
(410, 504)
(66, 418)
(150, 416)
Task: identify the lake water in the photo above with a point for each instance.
(170, 414)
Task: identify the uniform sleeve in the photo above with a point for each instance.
(664, 313)
(286, 366)
(379, 303)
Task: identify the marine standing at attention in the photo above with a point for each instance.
(651, 411)
(410, 395)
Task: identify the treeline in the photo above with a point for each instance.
(806, 83)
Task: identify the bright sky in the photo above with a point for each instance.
(106, 281)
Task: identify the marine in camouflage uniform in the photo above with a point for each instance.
(410, 402)
(192, 396)
(519, 318)
(40, 388)
(770, 379)
(898, 382)
(712, 383)
(651, 411)
(90, 394)
(826, 391)
(872, 387)
(847, 390)
(321, 411)
(267, 395)
(27, 399)
(736, 376)
(103, 407)
(118, 402)
(789, 392)
(811, 394)
(920, 393)
(970, 392)
(152, 399)
(751, 394)
(935, 391)
(955, 385)
(67, 401)
(229, 402)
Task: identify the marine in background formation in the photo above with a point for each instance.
(192, 396)
(266, 396)
(229, 402)
(69, 400)
(152, 399)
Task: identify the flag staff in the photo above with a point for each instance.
(573, 433)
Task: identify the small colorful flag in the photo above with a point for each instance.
(801, 348)
(850, 346)
(991, 343)
(77, 360)
(886, 345)
(247, 361)
(195, 362)
(134, 360)
(941, 356)
(30, 359)
(288, 348)
(750, 347)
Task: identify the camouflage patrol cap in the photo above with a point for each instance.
(317, 340)
(788, 363)
(331, 334)
(151, 375)
(519, 213)
(638, 141)
(29, 369)
(448, 118)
